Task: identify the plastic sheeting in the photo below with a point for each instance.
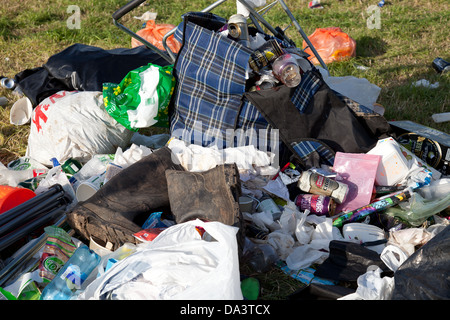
(425, 274)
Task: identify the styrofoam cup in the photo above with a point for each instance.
(89, 187)
(21, 112)
(246, 204)
(98, 248)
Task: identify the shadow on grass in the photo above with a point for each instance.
(7, 28)
(369, 47)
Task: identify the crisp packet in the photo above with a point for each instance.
(58, 248)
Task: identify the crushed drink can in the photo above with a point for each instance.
(318, 204)
(312, 182)
(440, 65)
(71, 166)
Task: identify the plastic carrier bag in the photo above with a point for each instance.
(74, 125)
(154, 33)
(141, 99)
(332, 44)
(194, 260)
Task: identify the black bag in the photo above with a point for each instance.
(347, 261)
(328, 119)
(84, 68)
(425, 275)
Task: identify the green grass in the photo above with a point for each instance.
(412, 34)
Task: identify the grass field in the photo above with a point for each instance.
(411, 34)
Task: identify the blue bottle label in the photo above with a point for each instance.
(74, 277)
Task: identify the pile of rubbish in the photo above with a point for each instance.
(96, 210)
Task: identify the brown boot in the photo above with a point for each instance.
(209, 196)
(111, 214)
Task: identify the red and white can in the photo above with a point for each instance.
(317, 204)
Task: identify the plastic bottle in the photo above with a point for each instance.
(419, 209)
(436, 189)
(72, 275)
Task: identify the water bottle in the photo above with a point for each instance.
(72, 275)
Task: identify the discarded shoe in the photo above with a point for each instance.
(211, 195)
(111, 214)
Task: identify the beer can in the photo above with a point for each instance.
(237, 28)
(318, 204)
(312, 182)
(265, 54)
(440, 65)
(71, 166)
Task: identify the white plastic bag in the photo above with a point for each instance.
(178, 264)
(371, 286)
(74, 125)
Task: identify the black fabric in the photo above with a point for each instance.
(327, 118)
(84, 68)
(425, 275)
(347, 261)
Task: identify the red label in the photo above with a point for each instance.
(40, 115)
(319, 181)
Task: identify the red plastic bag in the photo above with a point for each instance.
(332, 44)
(154, 34)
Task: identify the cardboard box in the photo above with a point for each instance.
(430, 145)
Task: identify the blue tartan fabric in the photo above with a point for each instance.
(313, 148)
(210, 72)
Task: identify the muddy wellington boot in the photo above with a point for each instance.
(209, 196)
(110, 215)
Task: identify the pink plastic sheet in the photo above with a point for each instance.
(358, 171)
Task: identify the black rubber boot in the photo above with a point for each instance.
(111, 214)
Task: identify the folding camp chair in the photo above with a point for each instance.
(256, 18)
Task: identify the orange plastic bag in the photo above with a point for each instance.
(154, 34)
(332, 44)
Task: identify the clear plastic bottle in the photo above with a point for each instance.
(418, 210)
(72, 275)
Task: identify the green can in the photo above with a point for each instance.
(71, 166)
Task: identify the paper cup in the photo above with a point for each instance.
(246, 204)
(89, 187)
(21, 112)
(94, 245)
